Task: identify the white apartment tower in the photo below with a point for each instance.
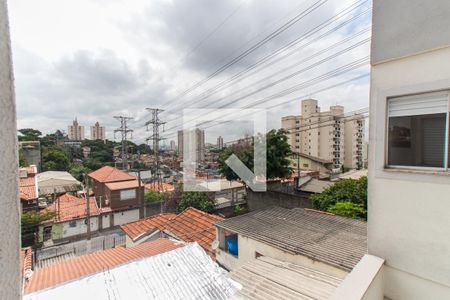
(76, 131)
(190, 139)
(326, 135)
(220, 143)
(172, 145)
(97, 132)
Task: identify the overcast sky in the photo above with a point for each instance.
(93, 59)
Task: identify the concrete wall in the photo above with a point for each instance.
(126, 216)
(80, 227)
(257, 201)
(408, 222)
(248, 247)
(405, 27)
(10, 281)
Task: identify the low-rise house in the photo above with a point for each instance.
(313, 239)
(57, 182)
(157, 273)
(119, 195)
(69, 220)
(192, 225)
(28, 189)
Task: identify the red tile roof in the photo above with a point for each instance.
(121, 185)
(110, 174)
(192, 225)
(71, 208)
(95, 262)
(28, 185)
(138, 228)
(26, 259)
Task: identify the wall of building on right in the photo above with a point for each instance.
(409, 170)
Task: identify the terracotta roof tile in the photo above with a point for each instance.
(190, 225)
(138, 228)
(110, 174)
(28, 185)
(26, 259)
(129, 184)
(95, 262)
(71, 208)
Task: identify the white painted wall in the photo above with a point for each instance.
(248, 247)
(126, 216)
(106, 221)
(10, 268)
(409, 211)
(80, 228)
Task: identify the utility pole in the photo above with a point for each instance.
(124, 130)
(88, 209)
(156, 138)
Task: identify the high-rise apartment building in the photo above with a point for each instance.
(98, 132)
(172, 145)
(76, 131)
(326, 135)
(220, 143)
(190, 139)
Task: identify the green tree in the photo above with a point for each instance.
(153, 196)
(29, 134)
(199, 200)
(78, 172)
(30, 224)
(55, 159)
(348, 210)
(343, 191)
(278, 151)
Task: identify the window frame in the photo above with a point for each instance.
(445, 168)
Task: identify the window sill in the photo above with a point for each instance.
(417, 171)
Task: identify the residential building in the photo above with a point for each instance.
(75, 131)
(193, 143)
(85, 265)
(183, 273)
(313, 239)
(70, 219)
(28, 189)
(191, 225)
(304, 162)
(98, 132)
(220, 143)
(323, 134)
(409, 182)
(173, 147)
(119, 196)
(31, 151)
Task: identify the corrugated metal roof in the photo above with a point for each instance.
(267, 278)
(84, 265)
(337, 241)
(183, 273)
(313, 185)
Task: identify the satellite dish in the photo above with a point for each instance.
(215, 244)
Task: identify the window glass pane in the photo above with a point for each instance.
(417, 140)
(127, 194)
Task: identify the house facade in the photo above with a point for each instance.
(119, 196)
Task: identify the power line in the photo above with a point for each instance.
(253, 48)
(308, 34)
(315, 92)
(124, 130)
(340, 70)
